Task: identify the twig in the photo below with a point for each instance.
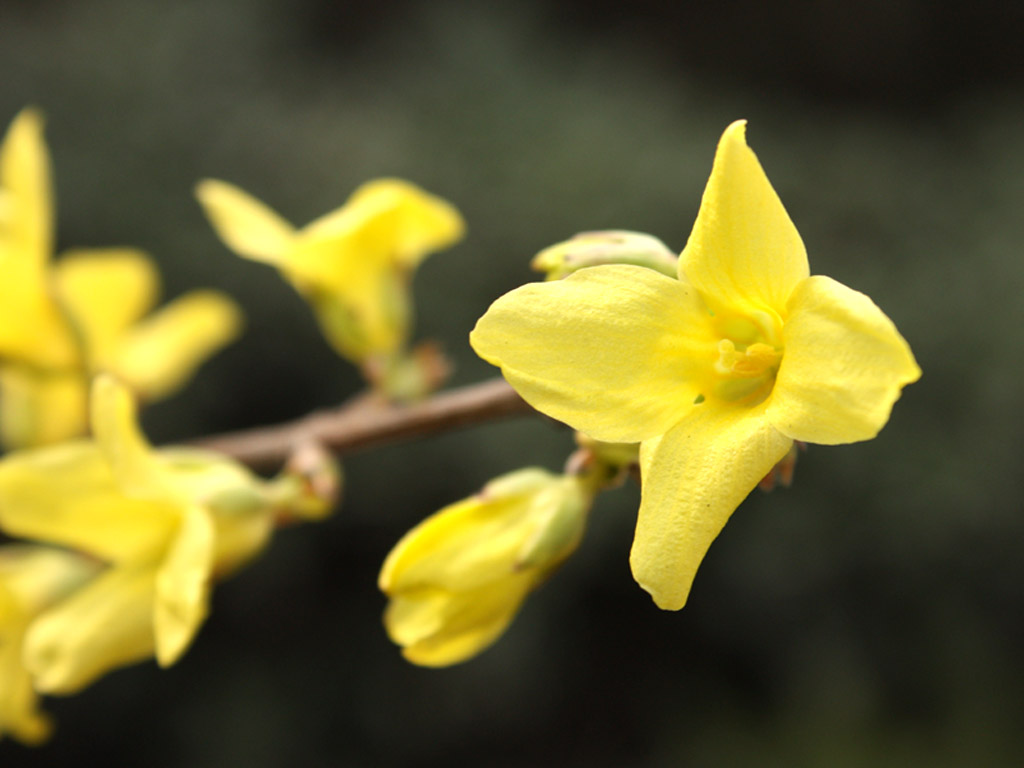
(368, 421)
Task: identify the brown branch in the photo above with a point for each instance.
(368, 421)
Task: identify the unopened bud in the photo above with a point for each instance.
(456, 580)
(409, 376)
(591, 249)
(782, 472)
(310, 484)
(603, 465)
(558, 523)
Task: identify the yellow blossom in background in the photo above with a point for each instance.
(62, 322)
(715, 373)
(457, 579)
(353, 264)
(32, 578)
(168, 522)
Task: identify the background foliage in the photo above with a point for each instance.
(869, 615)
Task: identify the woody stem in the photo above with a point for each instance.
(368, 421)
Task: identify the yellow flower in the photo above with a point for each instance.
(716, 373)
(353, 264)
(61, 323)
(166, 521)
(456, 580)
(32, 578)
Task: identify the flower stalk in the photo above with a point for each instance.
(368, 421)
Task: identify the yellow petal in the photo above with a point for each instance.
(32, 329)
(471, 542)
(394, 218)
(32, 578)
(613, 351)
(105, 292)
(40, 408)
(105, 625)
(247, 226)
(743, 251)
(25, 179)
(437, 628)
(67, 495)
(368, 313)
(239, 538)
(463, 545)
(416, 614)
(843, 367)
(20, 715)
(183, 586)
(135, 467)
(425, 223)
(162, 353)
(38, 576)
(353, 264)
(693, 479)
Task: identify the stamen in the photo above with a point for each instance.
(745, 371)
(753, 361)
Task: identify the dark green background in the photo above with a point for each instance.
(870, 615)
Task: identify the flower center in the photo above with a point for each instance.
(749, 353)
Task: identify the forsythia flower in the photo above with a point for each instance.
(61, 323)
(166, 521)
(32, 578)
(456, 580)
(353, 264)
(716, 373)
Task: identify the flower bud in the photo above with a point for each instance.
(408, 375)
(310, 485)
(457, 579)
(613, 246)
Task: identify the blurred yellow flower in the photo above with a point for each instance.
(61, 323)
(457, 579)
(715, 373)
(353, 264)
(32, 578)
(166, 521)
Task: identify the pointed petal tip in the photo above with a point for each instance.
(30, 116)
(736, 131)
(205, 187)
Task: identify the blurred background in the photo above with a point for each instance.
(870, 615)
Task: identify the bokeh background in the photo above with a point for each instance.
(870, 615)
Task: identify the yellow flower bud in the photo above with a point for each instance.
(590, 249)
(456, 580)
(310, 485)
